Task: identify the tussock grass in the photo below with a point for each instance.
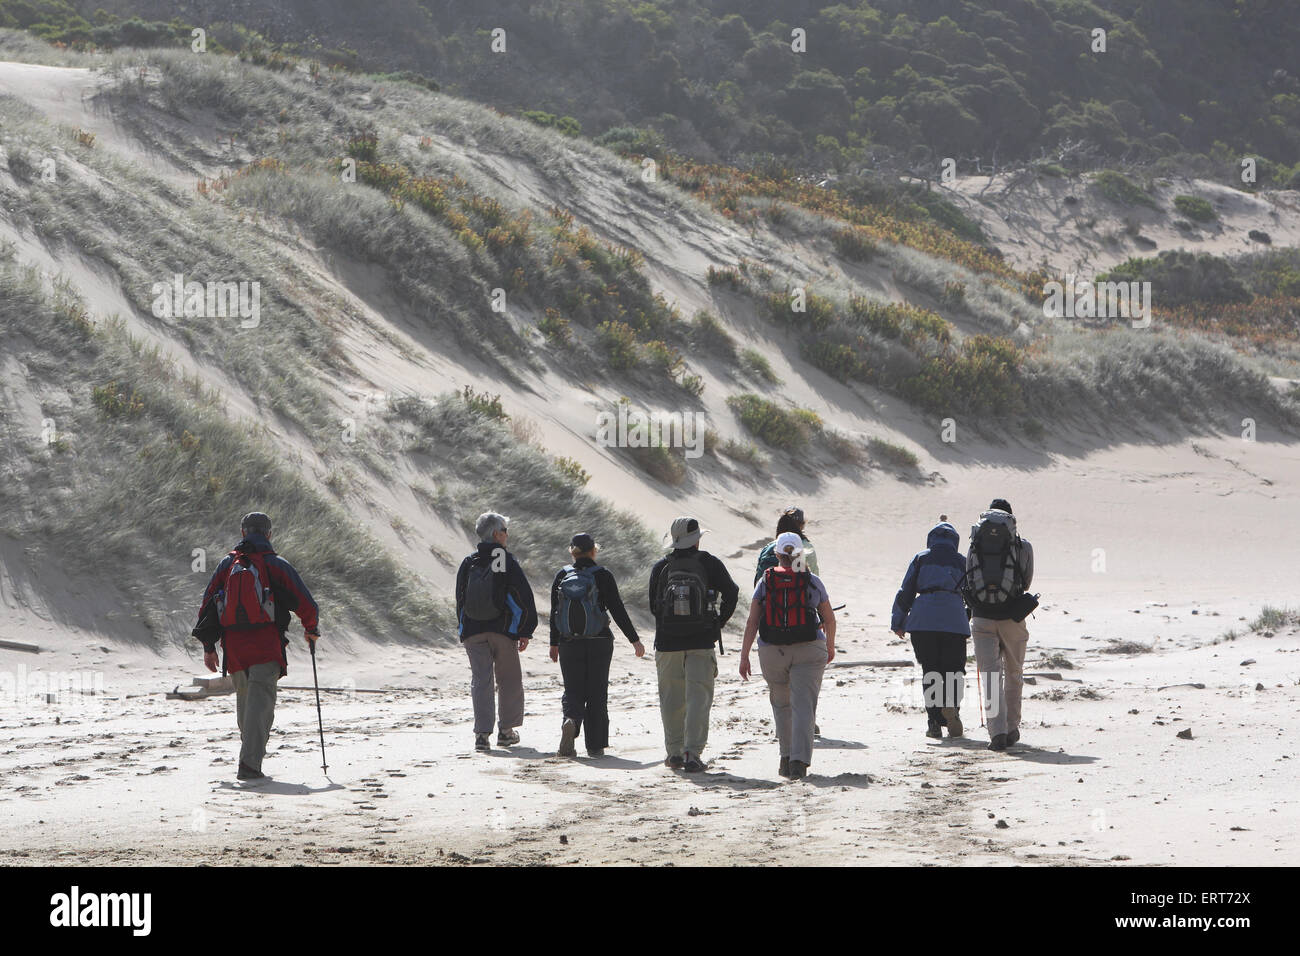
(157, 470)
(477, 466)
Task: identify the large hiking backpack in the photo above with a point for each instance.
(993, 574)
(246, 599)
(485, 591)
(787, 618)
(683, 599)
(578, 613)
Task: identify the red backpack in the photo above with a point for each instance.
(787, 616)
(246, 601)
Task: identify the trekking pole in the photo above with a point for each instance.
(979, 682)
(320, 723)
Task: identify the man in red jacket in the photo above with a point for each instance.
(246, 606)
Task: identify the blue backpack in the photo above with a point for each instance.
(579, 613)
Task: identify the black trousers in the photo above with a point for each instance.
(584, 663)
(942, 657)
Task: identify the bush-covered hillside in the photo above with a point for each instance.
(884, 81)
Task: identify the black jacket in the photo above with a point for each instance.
(607, 597)
(718, 580)
(520, 617)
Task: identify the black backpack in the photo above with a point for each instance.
(683, 605)
(993, 575)
(485, 591)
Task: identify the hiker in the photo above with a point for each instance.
(791, 615)
(929, 605)
(999, 572)
(584, 596)
(246, 607)
(791, 520)
(497, 617)
(691, 597)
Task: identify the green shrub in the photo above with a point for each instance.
(556, 328)
(1120, 189)
(854, 243)
(571, 471)
(727, 276)
(619, 342)
(693, 384)
(786, 428)
(745, 452)
(364, 147)
(663, 357)
(485, 404)
(661, 461)
(896, 456)
(707, 333)
(1195, 208)
(755, 363)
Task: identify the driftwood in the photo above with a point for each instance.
(18, 646)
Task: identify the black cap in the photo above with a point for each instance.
(1001, 504)
(583, 542)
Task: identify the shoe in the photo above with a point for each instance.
(693, 764)
(248, 773)
(784, 769)
(595, 753)
(506, 738)
(568, 730)
(1013, 737)
(674, 762)
(798, 770)
(954, 721)
(934, 730)
(817, 731)
(999, 742)
(481, 742)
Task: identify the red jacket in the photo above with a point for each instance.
(261, 645)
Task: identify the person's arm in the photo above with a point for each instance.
(462, 578)
(286, 576)
(828, 625)
(751, 632)
(904, 598)
(1027, 562)
(612, 601)
(654, 588)
(727, 589)
(555, 607)
(525, 594)
(209, 636)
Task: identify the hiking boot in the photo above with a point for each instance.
(693, 764)
(817, 730)
(595, 753)
(1013, 737)
(506, 738)
(248, 773)
(568, 730)
(481, 742)
(784, 769)
(798, 770)
(999, 742)
(674, 762)
(934, 730)
(954, 721)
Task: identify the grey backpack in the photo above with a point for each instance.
(993, 576)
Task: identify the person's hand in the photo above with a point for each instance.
(523, 644)
(901, 633)
(555, 653)
(744, 667)
(639, 648)
(310, 638)
(830, 651)
(210, 659)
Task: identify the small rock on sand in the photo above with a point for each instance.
(1185, 734)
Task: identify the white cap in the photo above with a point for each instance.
(789, 544)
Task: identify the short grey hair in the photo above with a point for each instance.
(488, 524)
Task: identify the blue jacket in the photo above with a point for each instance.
(930, 599)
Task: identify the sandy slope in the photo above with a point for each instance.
(1203, 525)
